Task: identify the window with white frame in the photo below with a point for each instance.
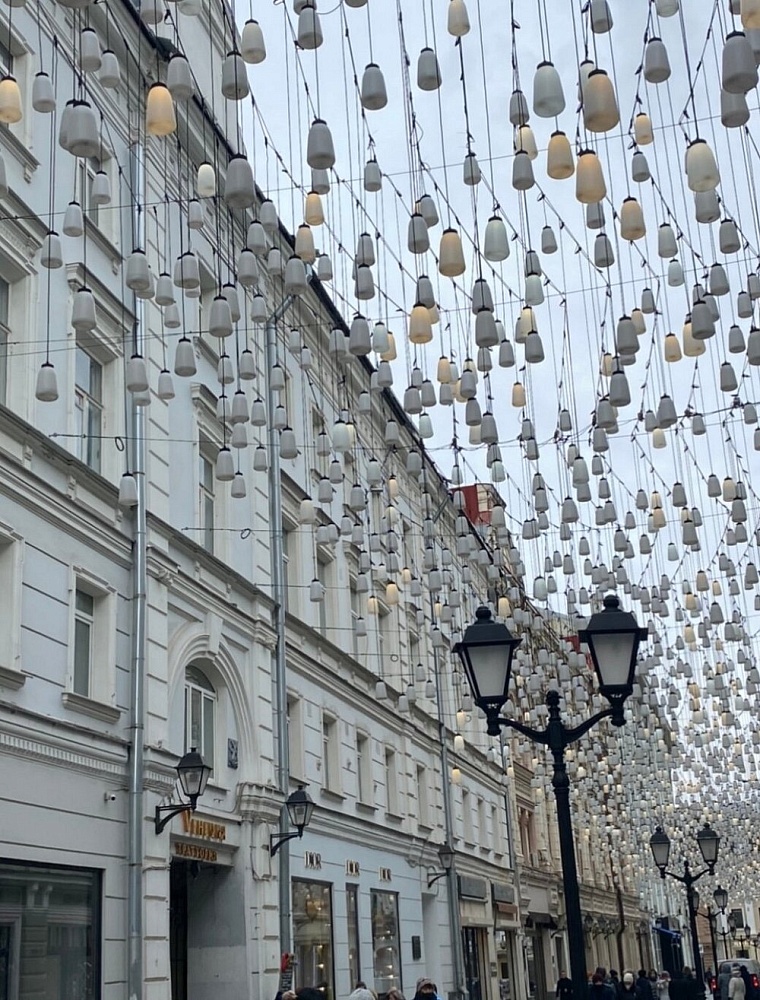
(391, 781)
(88, 404)
(84, 629)
(295, 736)
(5, 332)
(497, 840)
(325, 575)
(357, 608)
(88, 169)
(207, 493)
(92, 648)
(483, 838)
(364, 790)
(200, 714)
(330, 754)
(6, 56)
(422, 807)
(11, 556)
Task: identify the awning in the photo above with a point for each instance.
(666, 931)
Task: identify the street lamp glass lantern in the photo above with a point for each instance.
(446, 856)
(709, 842)
(659, 843)
(486, 652)
(193, 775)
(721, 898)
(613, 637)
(300, 807)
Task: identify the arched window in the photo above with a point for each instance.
(200, 714)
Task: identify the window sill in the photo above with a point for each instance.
(394, 817)
(331, 795)
(422, 825)
(13, 679)
(87, 706)
(366, 807)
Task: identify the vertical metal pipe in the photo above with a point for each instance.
(139, 630)
(279, 596)
(452, 884)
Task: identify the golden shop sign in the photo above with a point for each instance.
(203, 829)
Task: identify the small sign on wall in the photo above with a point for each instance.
(313, 860)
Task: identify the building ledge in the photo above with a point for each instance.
(331, 795)
(366, 807)
(17, 149)
(87, 706)
(13, 679)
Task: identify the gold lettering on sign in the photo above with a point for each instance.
(385, 875)
(352, 869)
(203, 828)
(196, 852)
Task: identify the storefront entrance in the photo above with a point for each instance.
(475, 970)
(207, 952)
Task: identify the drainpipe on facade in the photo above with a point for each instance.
(452, 881)
(139, 626)
(278, 593)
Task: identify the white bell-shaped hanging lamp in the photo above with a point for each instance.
(205, 182)
(642, 129)
(418, 240)
(600, 107)
(83, 313)
(43, 95)
(304, 244)
(589, 179)
(656, 61)
(136, 374)
(179, 78)
(160, 118)
(152, 11)
(632, 225)
(734, 110)
(184, 358)
(110, 71)
(83, 132)
(600, 16)
(522, 171)
(451, 261)
(471, 170)
(640, 172)
(548, 96)
(51, 253)
(46, 389)
(324, 267)
(458, 20)
(187, 273)
(164, 293)
(100, 192)
(137, 271)
(739, 74)
(313, 214)
(666, 241)
(252, 47)
(666, 8)
(295, 276)
(701, 167)
(496, 241)
(671, 348)
(239, 186)
(309, 32)
(373, 94)
(728, 237)
(420, 327)
(165, 388)
(320, 152)
(268, 216)
(518, 109)
(559, 157)
(525, 142)
(90, 57)
(428, 70)
(235, 86)
(373, 178)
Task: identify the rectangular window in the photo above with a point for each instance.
(484, 840)
(391, 782)
(466, 817)
(324, 575)
(295, 742)
(6, 58)
(200, 707)
(364, 792)
(423, 796)
(330, 755)
(312, 936)
(356, 614)
(84, 627)
(497, 840)
(5, 332)
(49, 932)
(386, 948)
(87, 170)
(88, 402)
(206, 494)
(354, 946)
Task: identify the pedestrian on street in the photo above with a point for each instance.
(748, 989)
(394, 994)
(627, 988)
(663, 985)
(737, 989)
(426, 989)
(687, 987)
(564, 990)
(644, 987)
(598, 989)
(361, 992)
(724, 978)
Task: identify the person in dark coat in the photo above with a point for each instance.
(564, 989)
(687, 987)
(644, 987)
(598, 989)
(627, 988)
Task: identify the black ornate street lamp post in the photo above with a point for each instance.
(486, 651)
(708, 842)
